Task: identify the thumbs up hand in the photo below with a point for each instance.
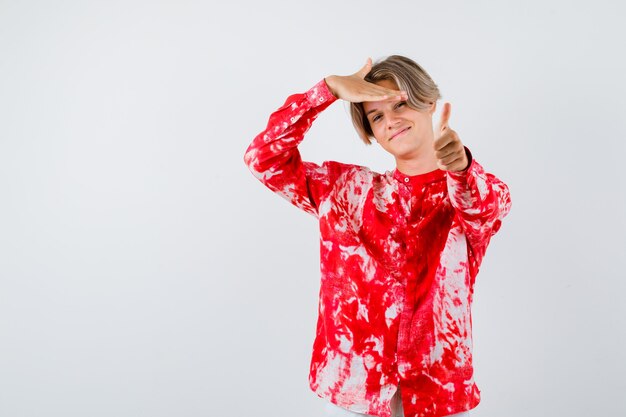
(449, 149)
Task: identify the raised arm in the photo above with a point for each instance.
(273, 155)
(480, 199)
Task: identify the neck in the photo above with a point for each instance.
(421, 162)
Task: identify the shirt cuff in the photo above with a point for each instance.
(320, 94)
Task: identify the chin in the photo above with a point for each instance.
(405, 151)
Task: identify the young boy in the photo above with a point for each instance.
(400, 251)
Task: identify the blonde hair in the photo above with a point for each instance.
(409, 76)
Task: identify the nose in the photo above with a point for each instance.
(392, 120)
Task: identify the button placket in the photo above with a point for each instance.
(405, 201)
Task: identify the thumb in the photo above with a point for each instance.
(445, 116)
(365, 69)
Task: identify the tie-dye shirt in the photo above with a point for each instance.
(399, 256)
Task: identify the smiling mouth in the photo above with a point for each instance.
(400, 133)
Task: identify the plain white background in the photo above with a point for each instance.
(145, 272)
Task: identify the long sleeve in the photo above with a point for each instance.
(481, 202)
(273, 156)
(396, 255)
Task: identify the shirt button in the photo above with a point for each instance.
(406, 179)
(321, 98)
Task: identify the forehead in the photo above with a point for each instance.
(371, 105)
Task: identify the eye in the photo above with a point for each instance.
(376, 118)
(400, 104)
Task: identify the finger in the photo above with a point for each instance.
(370, 97)
(445, 116)
(452, 147)
(458, 165)
(375, 87)
(381, 94)
(444, 140)
(376, 97)
(454, 165)
(365, 69)
(392, 94)
(450, 158)
(398, 94)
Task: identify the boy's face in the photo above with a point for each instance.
(399, 129)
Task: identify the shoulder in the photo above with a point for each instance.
(353, 172)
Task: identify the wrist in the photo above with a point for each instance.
(330, 83)
(468, 155)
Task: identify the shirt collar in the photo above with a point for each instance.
(427, 177)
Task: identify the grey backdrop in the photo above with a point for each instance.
(145, 272)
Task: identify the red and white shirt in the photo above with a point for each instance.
(399, 256)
